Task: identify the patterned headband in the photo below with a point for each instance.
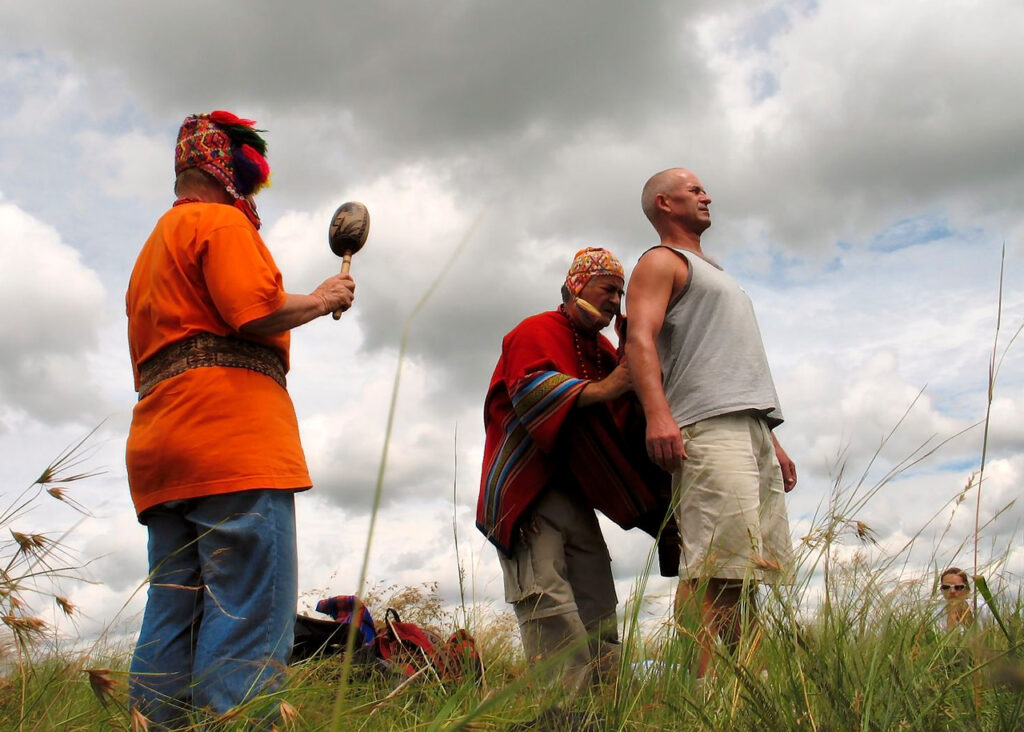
(589, 263)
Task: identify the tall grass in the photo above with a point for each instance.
(873, 657)
(855, 642)
(33, 568)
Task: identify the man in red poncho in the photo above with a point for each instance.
(555, 420)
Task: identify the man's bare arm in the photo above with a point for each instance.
(334, 293)
(617, 383)
(650, 290)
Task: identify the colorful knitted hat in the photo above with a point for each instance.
(228, 148)
(589, 263)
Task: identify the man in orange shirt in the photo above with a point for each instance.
(213, 453)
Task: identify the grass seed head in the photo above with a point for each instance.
(65, 605)
(865, 533)
(139, 721)
(29, 543)
(289, 714)
(25, 631)
(24, 625)
(47, 475)
(102, 683)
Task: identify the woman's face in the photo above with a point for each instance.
(953, 587)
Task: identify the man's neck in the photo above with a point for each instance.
(680, 238)
(206, 194)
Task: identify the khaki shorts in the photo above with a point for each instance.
(560, 563)
(732, 508)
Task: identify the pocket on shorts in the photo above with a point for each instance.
(517, 571)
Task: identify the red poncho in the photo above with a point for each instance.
(533, 430)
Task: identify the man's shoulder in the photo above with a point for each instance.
(666, 253)
(536, 328)
(661, 260)
(542, 321)
(659, 277)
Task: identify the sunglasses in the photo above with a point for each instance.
(958, 588)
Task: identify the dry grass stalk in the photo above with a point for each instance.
(59, 471)
(228, 716)
(864, 532)
(102, 683)
(139, 721)
(29, 543)
(61, 494)
(289, 714)
(397, 690)
(66, 606)
(24, 626)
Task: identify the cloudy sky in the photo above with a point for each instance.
(865, 165)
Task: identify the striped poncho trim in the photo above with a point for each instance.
(535, 399)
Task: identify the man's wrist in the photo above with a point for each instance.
(592, 393)
(323, 306)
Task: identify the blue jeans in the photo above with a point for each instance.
(220, 614)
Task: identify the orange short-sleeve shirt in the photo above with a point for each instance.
(215, 429)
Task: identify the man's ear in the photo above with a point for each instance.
(662, 202)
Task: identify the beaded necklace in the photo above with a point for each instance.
(579, 348)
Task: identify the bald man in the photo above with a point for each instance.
(700, 370)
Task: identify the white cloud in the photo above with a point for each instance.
(129, 165)
(55, 307)
(871, 115)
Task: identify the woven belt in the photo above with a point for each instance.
(207, 349)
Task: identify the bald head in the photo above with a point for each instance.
(663, 182)
(676, 198)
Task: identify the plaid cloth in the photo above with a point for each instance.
(340, 607)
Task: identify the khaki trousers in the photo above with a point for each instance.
(559, 581)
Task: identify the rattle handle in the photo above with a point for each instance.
(346, 265)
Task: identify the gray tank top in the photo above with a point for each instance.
(712, 356)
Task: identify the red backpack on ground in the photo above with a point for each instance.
(410, 649)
